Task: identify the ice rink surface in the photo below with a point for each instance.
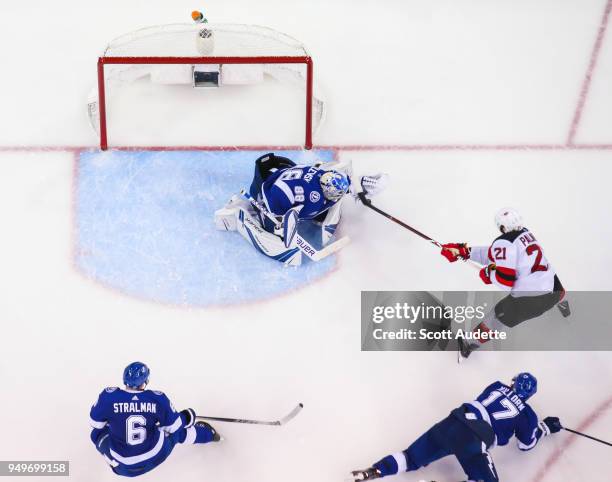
(468, 106)
(155, 240)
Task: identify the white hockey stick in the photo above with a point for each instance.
(304, 246)
(291, 415)
(331, 248)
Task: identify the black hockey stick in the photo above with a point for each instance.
(281, 421)
(367, 202)
(587, 436)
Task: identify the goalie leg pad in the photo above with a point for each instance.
(290, 224)
(225, 218)
(266, 243)
(330, 223)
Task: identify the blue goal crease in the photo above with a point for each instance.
(144, 223)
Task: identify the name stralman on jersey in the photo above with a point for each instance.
(131, 407)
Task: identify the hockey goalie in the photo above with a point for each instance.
(284, 195)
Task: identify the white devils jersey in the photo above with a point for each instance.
(520, 264)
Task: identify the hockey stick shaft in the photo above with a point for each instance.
(587, 436)
(261, 208)
(282, 421)
(235, 420)
(367, 202)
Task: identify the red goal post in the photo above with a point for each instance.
(115, 58)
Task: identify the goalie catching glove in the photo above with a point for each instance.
(373, 185)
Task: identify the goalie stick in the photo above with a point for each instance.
(282, 421)
(301, 243)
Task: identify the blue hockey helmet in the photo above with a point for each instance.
(135, 375)
(334, 185)
(525, 385)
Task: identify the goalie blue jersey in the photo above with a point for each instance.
(508, 414)
(135, 422)
(299, 185)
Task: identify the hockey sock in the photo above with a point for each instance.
(200, 433)
(392, 464)
(204, 433)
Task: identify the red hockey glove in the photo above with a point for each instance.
(455, 251)
(486, 272)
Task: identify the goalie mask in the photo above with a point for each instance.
(334, 185)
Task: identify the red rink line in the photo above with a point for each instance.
(468, 147)
(569, 145)
(346, 147)
(148, 148)
(569, 441)
(586, 83)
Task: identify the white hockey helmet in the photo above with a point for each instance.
(509, 219)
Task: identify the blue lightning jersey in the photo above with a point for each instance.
(299, 185)
(135, 421)
(508, 415)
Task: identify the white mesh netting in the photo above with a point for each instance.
(179, 40)
(184, 40)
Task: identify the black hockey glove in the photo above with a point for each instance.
(553, 424)
(188, 417)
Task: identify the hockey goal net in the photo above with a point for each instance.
(204, 56)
